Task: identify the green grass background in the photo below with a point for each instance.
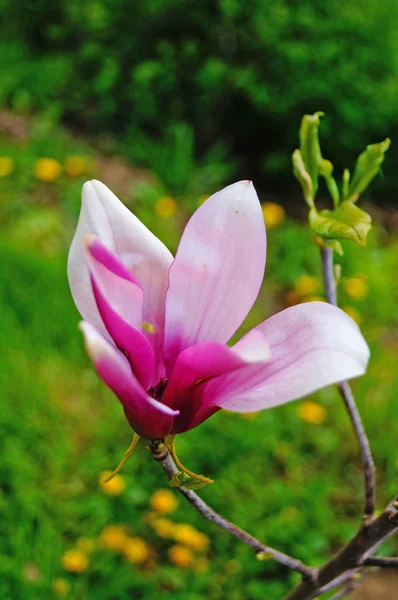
(295, 485)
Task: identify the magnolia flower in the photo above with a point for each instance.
(157, 328)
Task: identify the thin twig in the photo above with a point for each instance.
(351, 557)
(163, 457)
(328, 275)
(338, 582)
(350, 587)
(367, 458)
(346, 393)
(380, 561)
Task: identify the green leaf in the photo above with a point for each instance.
(309, 146)
(346, 183)
(326, 171)
(181, 479)
(304, 178)
(347, 222)
(367, 167)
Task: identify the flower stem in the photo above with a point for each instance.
(328, 275)
(165, 460)
(349, 401)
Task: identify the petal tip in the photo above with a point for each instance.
(163, 408)
(94, 190)
(87, 187)
(99, 187)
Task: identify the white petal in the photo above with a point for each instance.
(103, 215)
(312, 346)
(218, 270)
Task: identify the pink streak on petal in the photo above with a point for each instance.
(151, 418)
(106, 258)
(312, 345)
(217, 272)
(197, 365)
(136, 247)
(119, 301)
(138, 349)
(115, 282)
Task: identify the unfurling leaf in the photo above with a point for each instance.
(181, 479)
(304, 178)
(347, 222)
(326, 171)
(367, 166)
(309, 146)
(346, 183)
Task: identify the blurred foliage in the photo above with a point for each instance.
(239, 74)
(60, 428)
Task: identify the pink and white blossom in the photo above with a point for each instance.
(157, 328)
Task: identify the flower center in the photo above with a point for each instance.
(158, 390)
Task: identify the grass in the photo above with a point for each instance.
(296, 485)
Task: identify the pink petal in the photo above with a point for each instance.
(312, 346)
(218, 270)
(149, 417)
(137, 248)
(119, 300)
(200, 363)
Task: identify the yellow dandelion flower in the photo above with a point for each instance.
(273, 214)
(75, 165)
(85, 544)
(356, 288)
(112, 537)
(7, 166)
(74, 561)
(353, 313)
(307, 284)
(180, 556)
(293, 298)
(164, 501)
(47, 169)
(311, 412)
(60, 586)
(164, 528)
(314, 299)
(136, 550)
(115, 486)
(165, 207)
(191, 537)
